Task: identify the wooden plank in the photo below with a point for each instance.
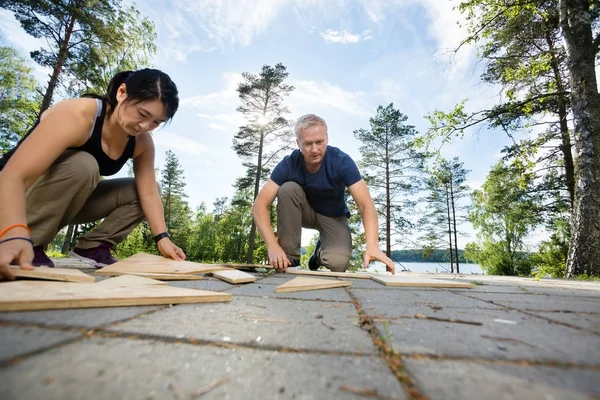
(301, 284)
(125, 280)
(150, 263)
(407, 281)
(359, 275)
(31, 295)
(151, 258)
(234, 276)
(156, 275)
(53, 274)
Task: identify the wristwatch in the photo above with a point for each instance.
(160, 236)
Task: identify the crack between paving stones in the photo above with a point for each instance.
(227, 345)
(519, 362)
(538, 316)
(17, 359)
(108, 334)
(393, 360)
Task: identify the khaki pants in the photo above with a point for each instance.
(294, 213)
(71, 192)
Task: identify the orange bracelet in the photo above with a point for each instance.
(3, 232)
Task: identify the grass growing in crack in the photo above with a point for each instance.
(477, 282)
(386, 336)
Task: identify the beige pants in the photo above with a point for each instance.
(294, 213)
(71, 192)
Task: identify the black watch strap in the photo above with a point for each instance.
(160, 236)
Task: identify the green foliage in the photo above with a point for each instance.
(503, 212)
(551, 259)
(19, 102)
(308, 251)
(266, 134)
(444, 214)
(426, 255)
(68, 26)
(392, 168)
(95, 62)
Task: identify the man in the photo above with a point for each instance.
(309, 185)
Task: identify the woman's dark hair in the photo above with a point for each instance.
(144, 84)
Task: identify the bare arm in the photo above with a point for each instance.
(260, 212)
(147, 187)
(67, 124)
(360, 194)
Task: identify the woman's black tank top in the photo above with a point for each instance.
(93, 146)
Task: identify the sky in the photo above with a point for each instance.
(344, 58)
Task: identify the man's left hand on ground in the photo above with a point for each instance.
(375, 253)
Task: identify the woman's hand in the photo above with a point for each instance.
(168, 249)
(19, 250)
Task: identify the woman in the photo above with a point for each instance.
(52, 177)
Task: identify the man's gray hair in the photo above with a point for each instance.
(308, 120)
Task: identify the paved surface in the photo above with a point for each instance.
(507, 338)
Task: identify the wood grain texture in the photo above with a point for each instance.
(157, 275)
(30, 295)
(156, 264)
(234, 276)
(53, 274)
(302, 284)
(358, 275)
(407, 281)
(125, 280)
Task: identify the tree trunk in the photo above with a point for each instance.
(584, 251)
(252, 236)
(454, 223)
(388, 198)
(60, 60)
(67, 242)
(562, 112)
(449, 229)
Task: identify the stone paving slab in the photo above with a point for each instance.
(19, 340)
(504, 335)
(395, 302)
(150, 370)
(458, 380)
(260, 289)
(581, 320)
(278, 323)
(540, 302)
(80, 318)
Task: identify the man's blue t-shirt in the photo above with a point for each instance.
(325, 188)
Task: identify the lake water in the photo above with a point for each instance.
(429, 267)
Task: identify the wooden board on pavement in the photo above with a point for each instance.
(407, 281)
(32, 295)
(156, 264)
(359, 275)
(52, 274)
(234, 276)
(302, 283)
(125, 280)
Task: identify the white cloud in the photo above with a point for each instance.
(177, 142)
(345, 37)
(311, 93)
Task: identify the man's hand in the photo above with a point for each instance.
(169, 250)
(375, 253)
(278, 259)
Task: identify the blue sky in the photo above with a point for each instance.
(344, 57)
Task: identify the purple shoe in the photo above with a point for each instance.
(98, 257)
(40, 259)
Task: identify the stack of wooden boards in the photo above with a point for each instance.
(139, 281)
